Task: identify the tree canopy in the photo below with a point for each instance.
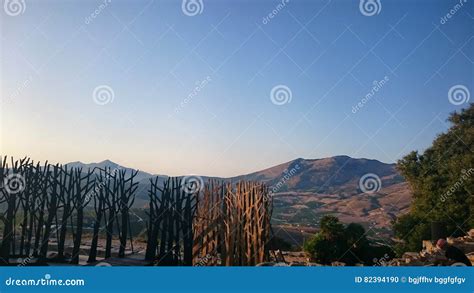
(348, 244)
(442, 181)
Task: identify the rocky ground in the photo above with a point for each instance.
(432, 256)
(429, 256)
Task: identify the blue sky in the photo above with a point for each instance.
(153, 56)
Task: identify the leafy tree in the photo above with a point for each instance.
(331, 228)
(278, 243)
(322, 249)
(358, 243)
(442, 181)
(336, 242)
(411, 229)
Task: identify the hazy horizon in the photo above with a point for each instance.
(230, 90)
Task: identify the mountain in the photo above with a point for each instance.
(339, 174)
(306, 189)
(109, 164)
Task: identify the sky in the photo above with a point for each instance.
(224, 88)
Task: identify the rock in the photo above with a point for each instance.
(411, 255)
(470, 256)
(428, 246)
(471, 233)
(338, 264)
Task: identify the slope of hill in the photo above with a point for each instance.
(338, 174)
(305, 190)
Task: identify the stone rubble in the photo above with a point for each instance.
(432, 256)
(428, 256)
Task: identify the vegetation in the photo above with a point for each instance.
(348, 244)
(442, 182)
(278, 243)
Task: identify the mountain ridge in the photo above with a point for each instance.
(306, 189)
(113, 164)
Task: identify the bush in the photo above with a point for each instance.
(336, 242)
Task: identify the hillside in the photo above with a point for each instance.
(306, 189)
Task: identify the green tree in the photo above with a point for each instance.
(331, 228)
(336, 242)
(442, 181)
(358, 244)
(330, 243)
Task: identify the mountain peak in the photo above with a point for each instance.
(108, 163)
(324, 175)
